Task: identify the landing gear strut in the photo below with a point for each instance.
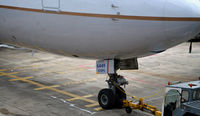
(113, 96)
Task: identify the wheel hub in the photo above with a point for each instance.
(104, 99)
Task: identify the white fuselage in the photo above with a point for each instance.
(99, 29)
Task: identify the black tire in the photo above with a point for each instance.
(120, 96)
(106, 98)
(128, 110)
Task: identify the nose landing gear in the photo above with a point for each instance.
(113, 96)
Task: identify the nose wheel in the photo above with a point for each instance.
(106, 98)
(113, 96)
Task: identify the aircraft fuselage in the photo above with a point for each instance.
(99, 29)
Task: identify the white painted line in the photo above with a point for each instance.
(73, 105)
(54, 97)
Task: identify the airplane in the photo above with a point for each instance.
(114, 32)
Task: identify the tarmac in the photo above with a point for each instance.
(35, 83)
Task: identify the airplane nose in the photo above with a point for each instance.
(182, 8)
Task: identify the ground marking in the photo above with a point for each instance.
(51, 88)
(47, 87)
(98, 109)
(76, 98)
(5, 74)
(21, 79)
(91, 105)
(3, 70)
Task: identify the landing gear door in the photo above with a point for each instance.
(171, 101)
(51, 5)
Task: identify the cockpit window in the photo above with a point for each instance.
(196, 95)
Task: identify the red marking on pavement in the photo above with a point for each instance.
(87, 66)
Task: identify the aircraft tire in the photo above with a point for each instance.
(128, 110)
(106, 98)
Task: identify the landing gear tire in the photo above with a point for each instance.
(106, 98)
(120, 96)
(128, 110)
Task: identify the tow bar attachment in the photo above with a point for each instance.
(129, 105)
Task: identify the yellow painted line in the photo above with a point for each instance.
(53, 89)
(47, 87)
(21, 79)
(72, 95)
(98, 109)
(24, 67)
(5, 74)
(61, 72)
(91, 105)
(43, 75)
(24, 80)
(3, 69)
(92, 79)
(80, 97)
(87, 96)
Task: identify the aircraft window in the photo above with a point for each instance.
(185, 96)
(196, 95)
